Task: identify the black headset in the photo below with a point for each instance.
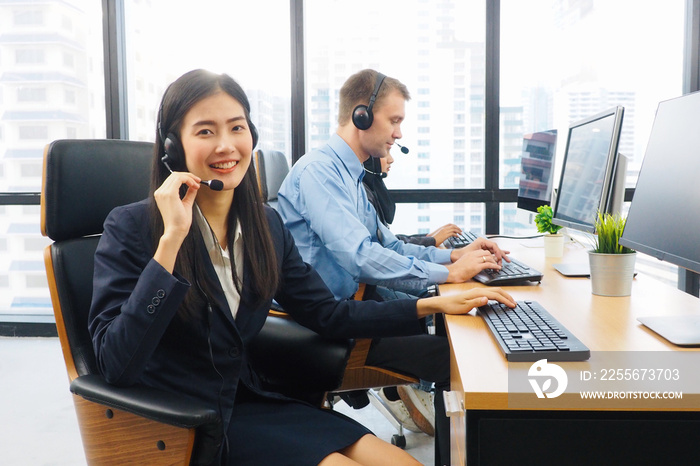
(174, 158)
(362, 116)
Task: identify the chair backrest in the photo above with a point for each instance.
(83, 180)
(271, 167)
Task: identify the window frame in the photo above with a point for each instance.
(491, 196)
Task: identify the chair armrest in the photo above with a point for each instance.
(157, 405)
(296, 361)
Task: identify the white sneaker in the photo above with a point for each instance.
(421, 406)
(397, 409)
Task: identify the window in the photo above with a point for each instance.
(429, 58)
(68, 60)
(261, 30)
(561, 63)
(406, 219)
(31, 94)
(37, 132)
(29, 56)
(28, 17)
(33, 90)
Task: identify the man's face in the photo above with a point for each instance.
(386, 126)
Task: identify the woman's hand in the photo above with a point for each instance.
(176, 214)
(444, 232)
(464, 302)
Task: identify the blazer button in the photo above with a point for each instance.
(160, 294)
(151, 309)
(155, 301)
(234, 352)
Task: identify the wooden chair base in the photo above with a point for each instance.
(114, 437)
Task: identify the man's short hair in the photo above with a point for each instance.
(358, 88)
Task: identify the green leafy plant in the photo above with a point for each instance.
(543, 220)
(609, 229)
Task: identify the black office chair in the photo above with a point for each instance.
(271, 169)
(82, 181)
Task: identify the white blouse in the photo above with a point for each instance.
(222, 260)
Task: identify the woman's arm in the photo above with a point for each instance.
(134, 297)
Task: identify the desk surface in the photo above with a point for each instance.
(479, 369)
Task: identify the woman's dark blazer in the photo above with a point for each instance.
(139, 337)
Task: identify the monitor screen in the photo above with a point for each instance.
(536, 170)
(664, 216)
(588, 170)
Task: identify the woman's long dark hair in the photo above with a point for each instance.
(259, 256)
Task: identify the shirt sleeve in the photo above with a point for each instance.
(331, 210)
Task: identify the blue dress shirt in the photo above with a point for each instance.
(324, 204)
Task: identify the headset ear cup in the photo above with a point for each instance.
(362, 117)
(173, 152)
(254, 133)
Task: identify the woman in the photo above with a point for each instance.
(378, 194)
(184, 281)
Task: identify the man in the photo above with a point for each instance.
(324, 204)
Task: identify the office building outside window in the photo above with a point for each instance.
(51, 87)
(436, 48)
(563, 61)
(250, 41)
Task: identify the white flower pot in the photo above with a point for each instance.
(553, 245)
(612, 274)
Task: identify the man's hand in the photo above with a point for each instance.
(481, 245)
(470, 264)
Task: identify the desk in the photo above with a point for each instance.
(568, 432)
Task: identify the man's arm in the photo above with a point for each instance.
(330, 209)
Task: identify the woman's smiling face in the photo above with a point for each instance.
(217, 140)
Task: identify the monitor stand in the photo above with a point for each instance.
(680, 330)
(576, 269)
(573, 269)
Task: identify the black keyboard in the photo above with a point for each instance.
(512, 273)
(529, 333)
(465, 238)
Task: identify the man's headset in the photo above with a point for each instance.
(362, 116)
(174, 158)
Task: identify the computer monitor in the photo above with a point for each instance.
(591, 165)
(664, 217)
(537, 170)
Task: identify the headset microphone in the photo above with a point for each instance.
(404, 149)
(214, 185)
(376, 165)
(379, 174)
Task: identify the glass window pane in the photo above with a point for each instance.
(516, 222)
(23, 287)
(563, 61)
(250, 41)
(50, 50)
(436, 49)
(424, 218)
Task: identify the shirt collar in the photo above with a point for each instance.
(210, 241)
(347, 156)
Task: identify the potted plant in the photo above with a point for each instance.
(612, 265)
(553, 240)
